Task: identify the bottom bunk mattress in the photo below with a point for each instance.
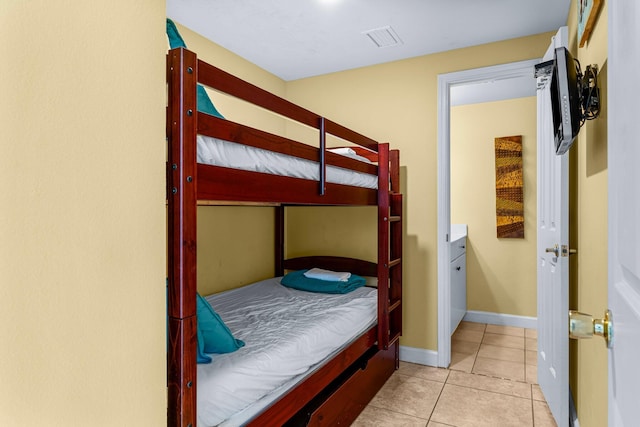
(287, 333)
(218, 152)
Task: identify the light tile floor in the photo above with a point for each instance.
(491, 382)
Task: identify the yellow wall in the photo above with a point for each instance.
(235, 246)
(588, 359)
(82, 213)
(501, 273)
(337, 231)
(397, 102)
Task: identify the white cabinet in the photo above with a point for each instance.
(458, 274)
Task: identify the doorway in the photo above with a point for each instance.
(447, 84)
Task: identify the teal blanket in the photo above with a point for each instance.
(297, 280)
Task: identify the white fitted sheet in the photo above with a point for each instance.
(218, 152)
(287, 333)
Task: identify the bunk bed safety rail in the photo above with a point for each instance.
(224, 82)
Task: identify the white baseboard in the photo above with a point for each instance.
(501, 319)
(418, 355)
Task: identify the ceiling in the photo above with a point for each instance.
(294, 39)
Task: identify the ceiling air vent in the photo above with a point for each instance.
(383, 37)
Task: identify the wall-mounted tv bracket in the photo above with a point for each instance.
(588, 87)
(590, 93)
(542, 72)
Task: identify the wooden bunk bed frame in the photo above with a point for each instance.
(341, 388)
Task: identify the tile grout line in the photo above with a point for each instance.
(398, 412)
(533, 411)
(439, 395)
(484, 331)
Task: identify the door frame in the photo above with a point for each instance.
(445, 83)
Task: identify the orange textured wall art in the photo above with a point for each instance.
(509, 192)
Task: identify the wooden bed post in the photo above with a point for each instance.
(181, 244)
(394, 175)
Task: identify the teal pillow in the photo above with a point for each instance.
(201, 357)
(202, 101)
(216, 336)
(175, 39)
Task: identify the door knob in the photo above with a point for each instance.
(554, 250)
(582, 325)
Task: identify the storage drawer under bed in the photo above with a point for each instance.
(342, 401)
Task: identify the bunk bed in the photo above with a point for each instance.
(340, 386)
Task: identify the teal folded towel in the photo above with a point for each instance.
(297, 280)
(328, 275)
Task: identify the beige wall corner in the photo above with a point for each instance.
(82, 252)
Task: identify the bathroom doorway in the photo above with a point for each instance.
(487, 84)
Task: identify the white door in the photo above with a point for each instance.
(553, 269)
(624, 212)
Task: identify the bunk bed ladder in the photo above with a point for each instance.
(389, 248)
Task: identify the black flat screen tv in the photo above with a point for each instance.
(565, 100)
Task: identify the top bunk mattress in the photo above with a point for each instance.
(286, 333)
(218, 152)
